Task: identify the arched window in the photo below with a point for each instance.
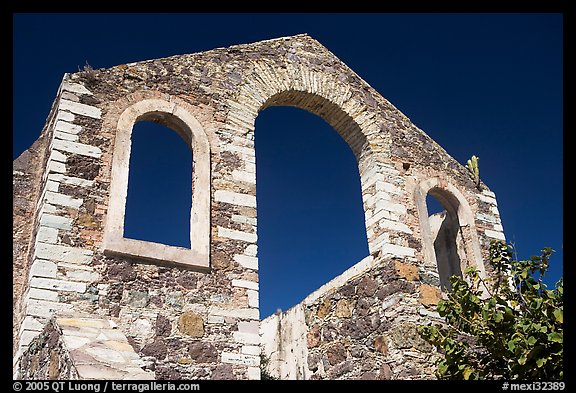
(159, 186)
(179, 119)
(449, 236)
(311, 224)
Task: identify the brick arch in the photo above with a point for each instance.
(351, 114)
(176, 115)
(458, 209)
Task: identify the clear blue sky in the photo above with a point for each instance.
(483, 84)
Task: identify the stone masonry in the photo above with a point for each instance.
(193, 313)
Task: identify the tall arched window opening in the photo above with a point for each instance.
(446, 236)
(159, 186)
(311, 224)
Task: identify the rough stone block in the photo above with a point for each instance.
(246, 261)
(57, 285)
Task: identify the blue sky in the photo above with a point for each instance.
(483, 84)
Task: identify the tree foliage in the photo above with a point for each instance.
(506, 326)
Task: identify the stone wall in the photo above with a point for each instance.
(198, 317)
(361, 325)
(81, 347)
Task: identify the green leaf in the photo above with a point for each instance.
(512, 345)
(522, 360)
(559, 315)
(555, 337)
(532, 340)
(467, 372)
(540, 362)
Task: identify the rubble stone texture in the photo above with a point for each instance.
(193, 313)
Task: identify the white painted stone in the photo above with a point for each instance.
(80, 109)
(237, 235)
(55, 155)
(247, 151)
(247, 177)
(251, 250)
(27, 336)
(370, 200)
(498, 228)
(486, 218)
(394, 225)
(243, 360)
(47, 208)
(69, 96)
(487, 199)
(388, 187)
(250, 167)
(246, 261)
(245, 284)
(82, 275)
(390, 206)
(244, 219)
(382, 214)
(235, 198)
(240, 313)
(65, 116)
(73, 181)
(494, 234)
(246, 338)
(58, 285)
(494, 210)
(42, 268)
(57, 167)
(251, 350)
(42, 294)
(394, 249)
(47, 235)
(56, 252)
(254, 373)
(65, 136)
(45, 309)
(77, 148)
(215, 319)
(52, 186)
(251, 327)
(31, 323)
(489, 193)
(58, 222)
(69, 128)
(253, 298)
(55, 198)
(76, 88)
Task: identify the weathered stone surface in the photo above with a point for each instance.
(344, 308)
(191, 324)
(380, 345)
(203, 352)
(324, 308)
(409, 272)
(429, 295)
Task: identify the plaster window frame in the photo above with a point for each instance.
(180, 120)
(455, 203)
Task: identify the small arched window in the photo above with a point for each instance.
(177, 118)
(449, 236)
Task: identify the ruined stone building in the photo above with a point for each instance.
(90, 303)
